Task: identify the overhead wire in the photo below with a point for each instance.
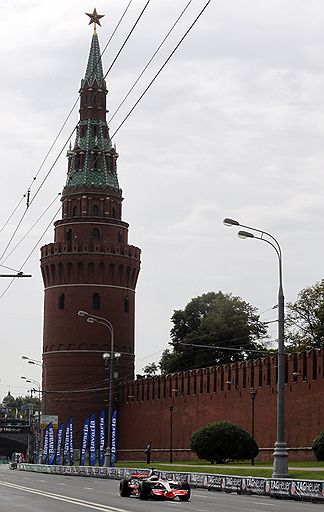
(32, 227)
(150, 60)
(31, 252)
(161, 68)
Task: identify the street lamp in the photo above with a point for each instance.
(32, 361)
(32, 381)
(280, 454)
(253, 395)
(91, 319)
(171, 407)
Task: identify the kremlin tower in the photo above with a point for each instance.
(90, 266)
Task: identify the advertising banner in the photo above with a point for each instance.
(66, 444)
(71, 447)
(36, 443)
(84, 441)
(102, 429)
(303, 489)
(59, 439)
(51, 448)
(45, 447)
(113, 454)
(92, 445)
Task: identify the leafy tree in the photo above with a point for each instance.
(222, 442)
(19, 407)
(305, 318)
(318, 446)
(212, 319)
(151, 369)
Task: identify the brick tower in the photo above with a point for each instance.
(90, 266)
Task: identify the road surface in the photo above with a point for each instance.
(22, 491)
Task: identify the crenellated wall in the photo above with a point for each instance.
(224, 393)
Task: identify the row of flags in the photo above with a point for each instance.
(52, 445)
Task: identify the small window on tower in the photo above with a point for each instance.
(126, 305)
(96, 234)
(74, 211)
(61, 301)
(95, 210)
(96, 301)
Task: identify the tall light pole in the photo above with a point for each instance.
(36, 362)
(32, 381)
(280, 454)
(253, 395)
(171, 407)
(91, 319)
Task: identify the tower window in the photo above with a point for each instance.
(96, 234)
(114, 212)
(126, 305)
(96, 301)
(95, 210)
(61, 301)
(69, 235)
(74, 211)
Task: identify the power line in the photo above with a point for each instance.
(161, 68)
(150, 60)
(31, 228)
(31, 252)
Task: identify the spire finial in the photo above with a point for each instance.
(95, 19)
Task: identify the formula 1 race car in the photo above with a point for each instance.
(153, 487)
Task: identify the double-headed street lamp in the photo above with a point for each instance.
(280, 454)
(91, 319)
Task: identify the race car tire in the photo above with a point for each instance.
(145, 491)
(124, 489)
(186, 487)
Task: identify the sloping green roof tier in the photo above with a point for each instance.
(94, 68)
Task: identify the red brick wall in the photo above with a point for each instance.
(145, 413)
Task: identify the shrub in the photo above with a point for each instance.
(318, 446)
(223, 442)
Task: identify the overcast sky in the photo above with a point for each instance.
(233, 127)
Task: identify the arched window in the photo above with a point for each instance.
(74, 211)
(95, 210)
(114, 212)
(61, 301)
(126, 305)
(96, 234)
(96, 301)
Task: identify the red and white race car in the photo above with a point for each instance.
(153, 487)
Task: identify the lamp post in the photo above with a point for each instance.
(280, 454)
(36, 362)
(32, 381)
(171, 407)
(253, 396)
(91, 319)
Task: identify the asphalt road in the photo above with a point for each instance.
(21, 491)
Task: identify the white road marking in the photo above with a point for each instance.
(263, 503)
(68, 499)
(61, 483)
(88, 488)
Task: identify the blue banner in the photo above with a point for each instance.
(59, 439)
(71, 442)
(102, 430)
(45, 446)
(84, 441)
(51, 448)
(36, 443)
(113, 451)
(92, 446)
(66, 444)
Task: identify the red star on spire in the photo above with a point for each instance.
(95, 17)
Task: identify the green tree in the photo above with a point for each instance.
(222, 442)
(151, 369)
(305, 318)
(318, 446)
(221, 320)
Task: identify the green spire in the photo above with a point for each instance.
(94, 68)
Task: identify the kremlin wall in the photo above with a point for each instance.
(221, 393)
